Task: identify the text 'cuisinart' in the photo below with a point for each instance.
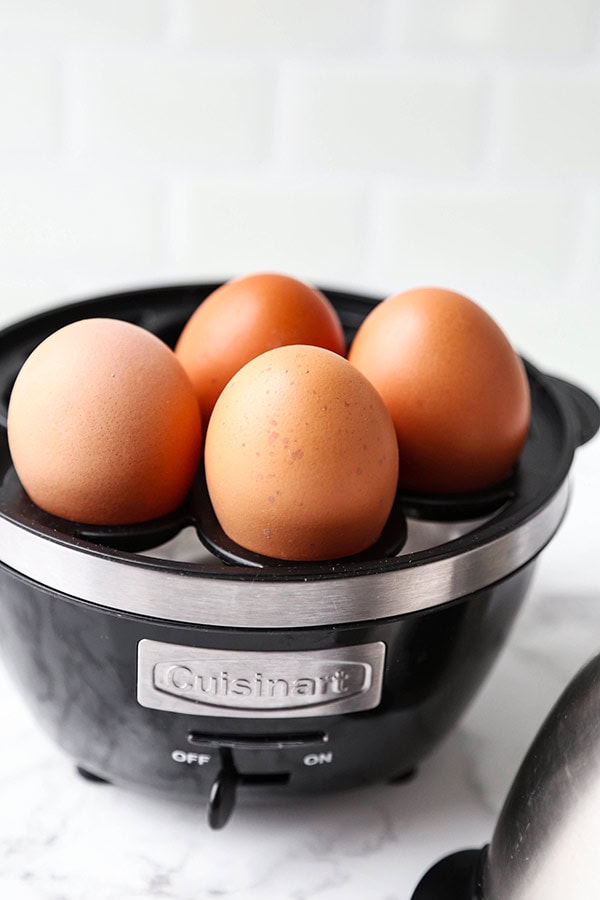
(243, 683)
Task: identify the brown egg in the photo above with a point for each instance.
(103, 424)
(301, 456)
(246, 317)
(456, 390)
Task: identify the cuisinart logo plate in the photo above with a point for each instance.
(246, 684)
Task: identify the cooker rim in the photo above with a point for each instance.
(84, 568)
(149, 590)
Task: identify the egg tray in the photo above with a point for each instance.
(563, 417)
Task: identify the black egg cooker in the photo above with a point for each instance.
(163, 657)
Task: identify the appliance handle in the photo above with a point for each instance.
(456, 877)
(583, 410)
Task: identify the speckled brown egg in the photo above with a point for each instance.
(456, 390)
(103, 424)
(301, 456)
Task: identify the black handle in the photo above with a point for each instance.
(584, 411)
(456, 877)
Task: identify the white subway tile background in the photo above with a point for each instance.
(365, 144)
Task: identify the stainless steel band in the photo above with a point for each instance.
(136, 586)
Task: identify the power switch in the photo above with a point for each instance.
(221, 800)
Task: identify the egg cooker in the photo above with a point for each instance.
(161, 657)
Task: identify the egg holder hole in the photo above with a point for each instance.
(163, 311)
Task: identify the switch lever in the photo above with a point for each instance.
(222, 796)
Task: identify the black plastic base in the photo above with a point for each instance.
(57, 648)
(456, 877)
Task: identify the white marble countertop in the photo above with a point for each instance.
(62, 838)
